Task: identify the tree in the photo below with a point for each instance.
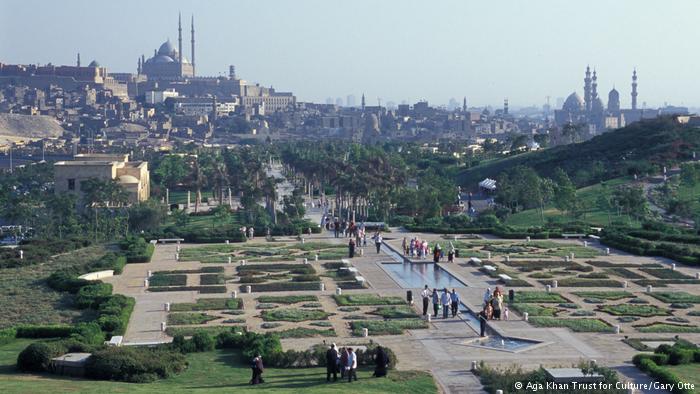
(146, 216)
(564, 196)
(172, 170)
(631, 200)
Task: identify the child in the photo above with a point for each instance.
(505, 313)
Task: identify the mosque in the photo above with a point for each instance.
(167, 62)
(591, 111)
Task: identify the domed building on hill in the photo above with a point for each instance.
(168, 62)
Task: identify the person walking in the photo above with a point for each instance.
(332, 363)
(436, 302)
(343, 361)
(336, 228)
(454, 297)
(257, 367)
(381, 363)
(445, 299)
(487, 296)
(436, 254)
(425, 294)
(483, 316)
(351, 248)
(451, 256)
(378, 241)
(352, 365)
(404, 246)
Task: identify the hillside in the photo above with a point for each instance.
(24, 127)
(636, 149)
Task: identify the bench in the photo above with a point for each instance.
(475, 260)
(573, 235)
(489, 268)
(345, 261)
(115, 341)
(505, 277)
(166, 240)
(360, 279)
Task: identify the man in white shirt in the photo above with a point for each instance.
(425, 294)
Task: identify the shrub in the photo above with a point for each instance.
(187, 318)
(134, 364)
(203, 342)
(91, 296)
(576, 325)
(66, 281)
(294, 315)
(284, 286)
(366, 299)
(45, 331)
(200, 289)
(205, 304)
(167, 280)
(37, 356)
(211, 279)
(7, 335)
(634, 310)
(137, 249)
(386, 327)
(250, 343)
(114, 314)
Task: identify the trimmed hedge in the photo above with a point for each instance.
(114, 314)
(91, 296)
(135, 364)
(37, 356)
(200, 289)
(167, 280)
(44, 331)
(38, 250)
(284, 286)
(137, 249)
(678, 354)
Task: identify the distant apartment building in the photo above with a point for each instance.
(132, 176)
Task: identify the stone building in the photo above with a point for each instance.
(132, 176)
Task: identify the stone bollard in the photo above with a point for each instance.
(177, 249)
(227, 242)
(617, 328)
(526, 316)
(21, 254)
(428, 317)
(166, 307)
(474, 366)
(624, 284)
(649, 289)
(593, 363)
(566, 258)
(488, 255)
(365, 332)
(499, 391)
(316, 257)
(177, 256)
(248, 289)
(697, 275)
(362, 252)
(572, 255)
(145, 283)
(673, 266)
(229, 259)
(303, 241)
(322, 287)
(242, 262)
(306, 261)
(585, 244)
(548, 288)
(338, 291)
(234, 294)
(150, 273)
(555, 284)
(607, 251)
(163, 326)
(527, 239)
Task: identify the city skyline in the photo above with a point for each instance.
(433, 52)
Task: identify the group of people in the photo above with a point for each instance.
(494, 308)
(420, 248)
(352, 244)
(248, 232)
(345, 362)
(448, 302)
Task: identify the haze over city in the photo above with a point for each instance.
(393, 50)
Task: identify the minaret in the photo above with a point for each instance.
(587, 89)
(634, 89)
(363, 101)
(192, 32)
(179, 40)
(138, 67)
(78, 62)
(505, 106)
(594, 87)
(464, 104)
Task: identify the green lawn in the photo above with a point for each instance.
(180, 196)
(592, 215)
(687, 373)
(26, 299)
(220, 371)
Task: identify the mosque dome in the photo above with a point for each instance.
(166, 49)
(613, 100)
(163, 59)
(613, 95)
(598, 105)
(94, 63)
(128, 179)
(573, 103)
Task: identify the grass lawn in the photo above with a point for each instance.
(208, 304)
(576, 325)
(667, 327)
(687, 373)
(26, 299)
(534, 310)
(395, 312)
(588, 195)
(386, 327)
(538, 297)
(303, 332)
(366, 299)
(220, 371)
(676, 296)
(606, 295)
(634, 310)
(665, 273)
(184, 318)
(294, 315)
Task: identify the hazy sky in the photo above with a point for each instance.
(393, 49)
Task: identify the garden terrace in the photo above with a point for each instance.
(366, 299)
(207, 304)
(268, 252)
(624, 273)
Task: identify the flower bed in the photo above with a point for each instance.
(395, 312)
(665, 273)
(534, 310)
(159, 279)
(284, 286)
(538, 297)
(606, 295)
(579, 282)
(200, 289)
(366, 299)
(634, 310)
(185, 318)
(293, 299)
(386, 327)
(667, 327)
(207, 304)
(676, 296)
(294, 315)
(576, 325)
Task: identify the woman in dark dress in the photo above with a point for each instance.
(351, 248)
(381, 361)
